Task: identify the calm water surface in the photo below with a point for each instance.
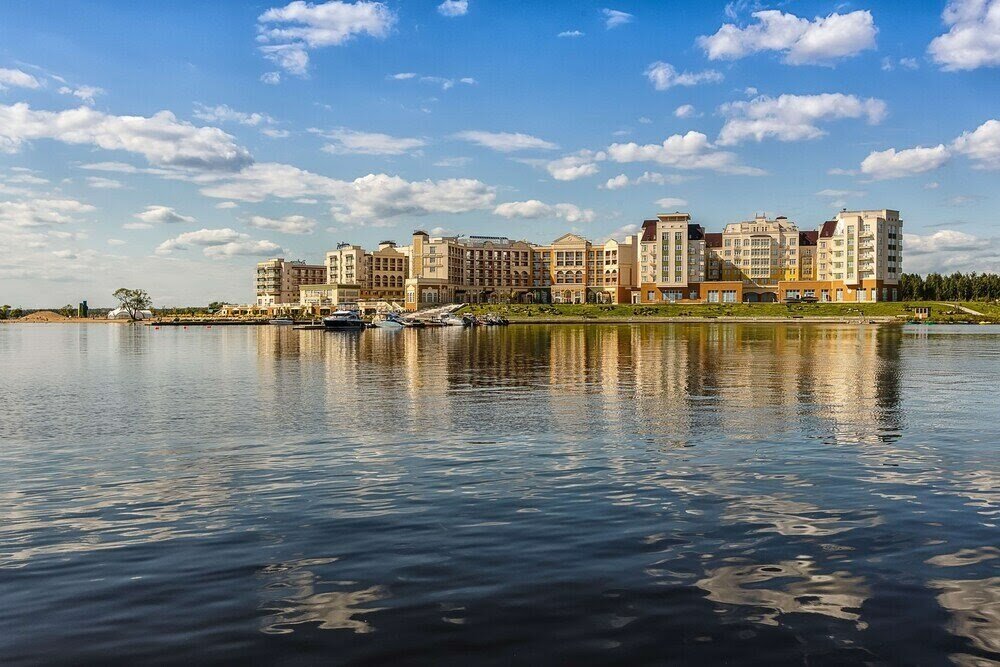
(573, 494)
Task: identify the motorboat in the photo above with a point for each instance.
(343, 320)
(496, 320)
(452, 321)
(387, 322)
(282, 321)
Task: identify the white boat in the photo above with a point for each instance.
(282, 321)
(343, 320)
(453, 321)
(388, 322)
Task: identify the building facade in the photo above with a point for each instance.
(857, 256)
(278, 280)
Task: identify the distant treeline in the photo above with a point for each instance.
(955, 287)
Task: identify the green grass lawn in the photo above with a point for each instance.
(595, 311)
(990, 308)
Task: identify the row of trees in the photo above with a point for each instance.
(955, 287)
(8, 313)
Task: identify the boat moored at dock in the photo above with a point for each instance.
(344, 320)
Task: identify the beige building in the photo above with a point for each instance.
(278, 280)
(325, 298)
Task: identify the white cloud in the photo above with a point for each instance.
(890, 163)
(570, 33)
(290, 224)
(664, 76)
(224, 113)
(837, 171)
(533, 209)
(133, 226)
(226, 205)
(453, 8)
(839, 193)
(161, 138)
(793, 117)
(671, 202)
(371, 199)
(682, 151)
(685, 111)
(115, 242)
(271, 78)
(403, 76)
(982, 144)
(933, 185)
(18, 79)
(163, 215)
(622, 181)
(614, 18)
(644, 120)
(577, 165)
(368, 143)
(41, 212)
(85, 93)
(505, 142)
(804, 42)
(102, 183)
(453, 162)
(948, 250)
(287, 33)
(623, 231)
(275, 134)
(218, 243)
(973, 37)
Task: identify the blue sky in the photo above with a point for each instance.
(171, 146)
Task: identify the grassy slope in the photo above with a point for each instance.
(594, 311)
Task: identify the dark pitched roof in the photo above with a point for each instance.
(695, 232)
(649, 230)
(713, 239)
(826, 231)
(808, 238)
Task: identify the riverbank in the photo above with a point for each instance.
(879, 312)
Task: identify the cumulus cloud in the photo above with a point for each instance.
(882, 165)
(371, 199)
(218, 243)
(682, 151)
(505, 142)
(287, 33)
(686, 111)
(793, 117)
(163, 215)
(452, 8)
(41, 212)
(671, 202)
(271, 78)
(85, 93)
(973, 37)
(577, 165)
(533, 209)
(290, 224)
(18, 79)
(570, 33)
(664, 75)
(623, 231)
(983, 144)
(949, 250)
(803, 42)
(345, 141)
(622, 181)
(162, 139)
(614, 18)
(223, 113)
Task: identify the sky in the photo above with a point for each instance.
(171, 146)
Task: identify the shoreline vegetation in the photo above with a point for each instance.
(762, 313)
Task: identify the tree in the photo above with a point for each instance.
(132, 301)
(4, 312)
(67, 310)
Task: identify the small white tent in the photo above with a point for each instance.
(122, 314)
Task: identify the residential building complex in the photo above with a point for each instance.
(857, 256)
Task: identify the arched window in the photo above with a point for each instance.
(579, 276)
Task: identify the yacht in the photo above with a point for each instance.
(390, 321)
(344, 319)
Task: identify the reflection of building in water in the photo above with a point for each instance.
(294, 595)
(802, 589)
(975, 612)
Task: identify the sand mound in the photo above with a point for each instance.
(44, 316)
